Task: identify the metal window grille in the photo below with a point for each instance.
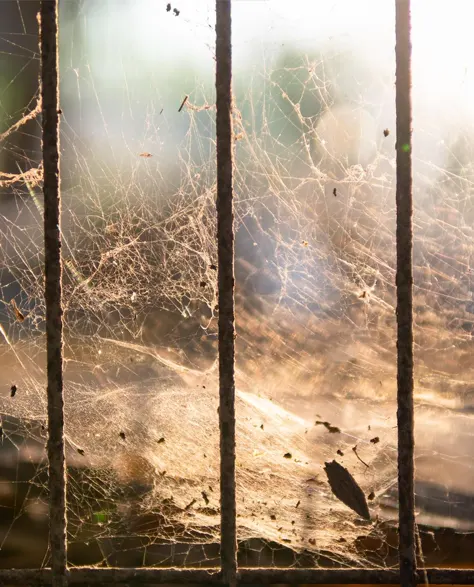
(229, 573)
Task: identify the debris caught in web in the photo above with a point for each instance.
(386, 132)
(190, 504)
(346, 489)
(145, 155)
(354, 448)
(18, 315)
(287, 455)
(122, 435)
(13, 390)
(185, 99)
(375, 440)
(329, 428)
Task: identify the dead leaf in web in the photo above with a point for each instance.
(346, 489)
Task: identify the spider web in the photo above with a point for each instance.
(315, 241)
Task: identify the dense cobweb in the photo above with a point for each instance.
(315, 295)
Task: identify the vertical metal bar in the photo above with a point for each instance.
(225, 243)
(404, 281)
(53, 272)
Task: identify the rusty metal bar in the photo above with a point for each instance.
(91, 575)
(404, 281)
(53, 272)
(225, 245)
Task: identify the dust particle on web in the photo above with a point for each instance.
(161, 440)
(13, 389)
(205, 498)
(339, 452)
(334, 192)
(168, 8)
(213, 267)
(261, 426)
(346, 489)
(375, 440)
(122, 435)
(190, 504)
(287, 455)
(273, 517)
(312, 541)
(202, 284)
(297, 503)
(176, 12)
(386, 132)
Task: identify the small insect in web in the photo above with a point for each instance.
(145, 154)
(375, 440)
(18, 315)
(122, 435)
(346, 489)
(334, 192)
(80, 451)
(13, 390)
(386, 132)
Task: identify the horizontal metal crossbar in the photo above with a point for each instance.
(213, 576)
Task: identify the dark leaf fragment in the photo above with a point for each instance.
(346, 489)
